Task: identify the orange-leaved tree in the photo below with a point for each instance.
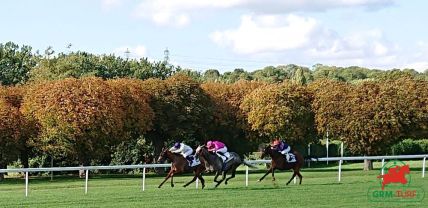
(79, 118)
(281, 110)
(369, 116)
(182, 110)
(230, 124)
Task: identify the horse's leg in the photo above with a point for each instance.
(166, 178)
(216, 176)
(222, 179)
(202, 180)
(172, 180)
(270, 170)
(194, 179)
(273, 174)
(300, 177)
(292, 177)
(232, 176)
(198, 174)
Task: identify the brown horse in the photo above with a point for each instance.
(279, 162)
(181, 165)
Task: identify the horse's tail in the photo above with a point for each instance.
(311, 158)
(248, 164)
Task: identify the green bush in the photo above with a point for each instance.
(410, 147)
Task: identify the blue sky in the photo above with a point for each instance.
(228, 34)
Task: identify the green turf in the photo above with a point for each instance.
(319, 189)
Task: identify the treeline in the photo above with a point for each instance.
(127, 121)
(80, 108)
(20, 64)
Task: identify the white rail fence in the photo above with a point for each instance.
(145, 166)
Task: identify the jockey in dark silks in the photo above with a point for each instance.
(284, 149)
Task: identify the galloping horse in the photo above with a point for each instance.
(217, 164)
(180, 165)
(279, 162)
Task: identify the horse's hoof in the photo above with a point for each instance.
(159, 186)
(184, 186)
(172, 185)
(203, 186)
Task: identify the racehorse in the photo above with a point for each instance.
(213, 160)
(181, 165)
(279, 162)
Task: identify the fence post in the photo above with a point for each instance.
(26, 184)
(295, 179)
(197, 181)
(144, 178)
(340, 170)
(326, 145)
(309, 154)
(246, 176)
(383, 163)
(423, 168)
(86, 181)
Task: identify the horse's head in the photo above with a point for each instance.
(163, 155)
(266, 151)
(200, 150)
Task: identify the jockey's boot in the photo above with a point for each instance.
(190, 159)
(290, 158)
(222, 156)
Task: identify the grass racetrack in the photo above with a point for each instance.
(319, 189)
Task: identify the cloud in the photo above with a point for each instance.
(139, 51)
(179, 12)
(268, 33)
(299, 39)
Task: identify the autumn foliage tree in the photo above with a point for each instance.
(370, 116)
(281, 110)
(182, 110)
(15, 129)
(138, 120)
(230, 124)
(79, 118)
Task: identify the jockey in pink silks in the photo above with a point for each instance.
(220, 149)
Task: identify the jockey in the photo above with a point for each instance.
(182, 149)
(283, 148)
(220, 149)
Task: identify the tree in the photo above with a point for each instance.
(79, 118)
(9, 134)
(211, 75)
(229, 121)
(182, 110)
(16, 63)
(367, 116)
(281, 110)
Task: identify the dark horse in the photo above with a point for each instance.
(180, 165)
(213, 160)
(279, 162)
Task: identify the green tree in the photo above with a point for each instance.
(16, 63)
(211, 75)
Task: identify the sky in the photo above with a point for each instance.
(229, 34)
